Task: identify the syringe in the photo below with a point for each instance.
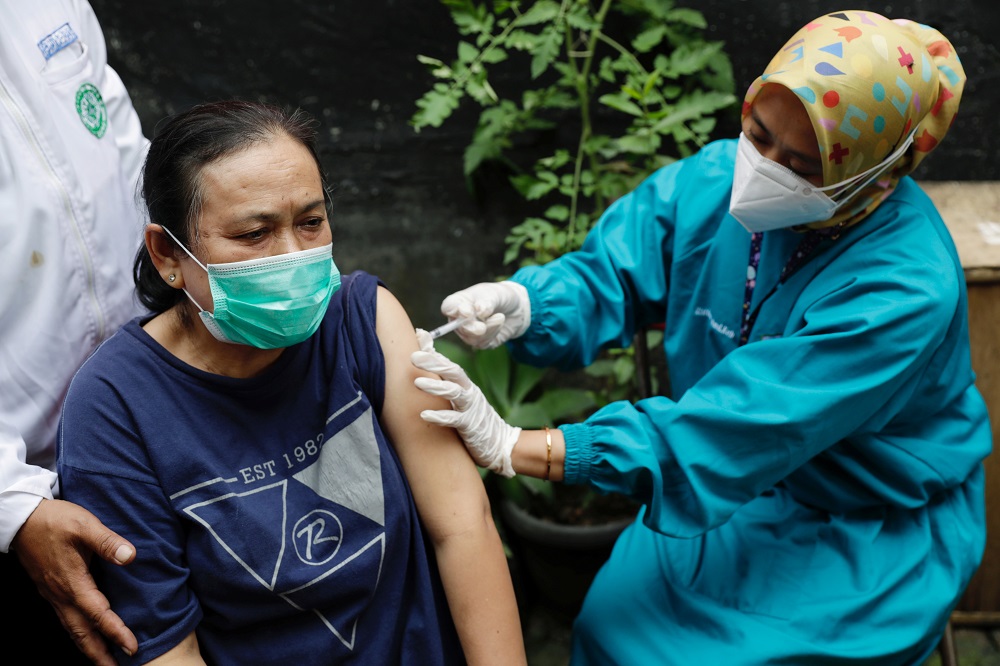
(444, 329)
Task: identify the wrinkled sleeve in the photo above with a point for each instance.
(104, 467)
(769, 407)
(22, 486)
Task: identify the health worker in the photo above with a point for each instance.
(813, 486)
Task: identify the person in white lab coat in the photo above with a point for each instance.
(71, 149)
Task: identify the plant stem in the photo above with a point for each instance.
(583, 94)
(624, 51)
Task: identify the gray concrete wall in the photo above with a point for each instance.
(402, 208)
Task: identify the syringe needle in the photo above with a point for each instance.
(444, 329)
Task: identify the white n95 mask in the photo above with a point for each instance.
(767, 195)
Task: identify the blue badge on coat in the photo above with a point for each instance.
(57, 40)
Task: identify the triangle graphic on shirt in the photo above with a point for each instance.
(348, 470)
(217, 517)
(341, 618)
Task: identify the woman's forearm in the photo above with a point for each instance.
(532, 456)
(480, 594)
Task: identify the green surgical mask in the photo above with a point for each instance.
(271, 302)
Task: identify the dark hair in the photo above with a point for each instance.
(171, 175)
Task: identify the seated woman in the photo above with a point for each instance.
(259, 438)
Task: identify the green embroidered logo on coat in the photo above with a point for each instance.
(90, 107)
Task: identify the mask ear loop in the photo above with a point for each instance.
(869, 175)
(194, 259)
(181, 246)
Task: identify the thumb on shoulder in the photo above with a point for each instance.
(108, 544)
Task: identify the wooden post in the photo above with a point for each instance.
(972, 212)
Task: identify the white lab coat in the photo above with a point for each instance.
(69, 228)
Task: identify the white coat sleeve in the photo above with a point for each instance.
(22, 486)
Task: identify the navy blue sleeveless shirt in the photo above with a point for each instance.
(271, 515)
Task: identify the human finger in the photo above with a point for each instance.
(437, 387)
(442, 417)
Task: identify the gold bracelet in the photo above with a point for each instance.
(548, 452)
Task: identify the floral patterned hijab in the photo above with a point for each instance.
(867, 82)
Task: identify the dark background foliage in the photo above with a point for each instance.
(402, 209)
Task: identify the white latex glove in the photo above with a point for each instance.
(487, 436)
(496, 312)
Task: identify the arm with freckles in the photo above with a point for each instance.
(451, 501)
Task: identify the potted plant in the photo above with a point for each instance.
(595, 112)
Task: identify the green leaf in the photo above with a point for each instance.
(557, 159)
(631, 92)
(606, 71)
(432, 62)
(460, 354)
(657, 9)
(620, 102)
(649, 39)
(545, 51)
(527, 415)
(580, 18)
(692, 58)
(558, 213)
(494, 55)
(600, 368)
(542, 11)
(513, 250)
(468, 18)
(643, 144)
(435, 106)
(650, 84)
(493, 368)
(479, 151)
(526, 379)
(467, 52)
(690, 17)
(719, 74)
(624, 370)
(522, 40)
(532, 187)
(562, 404)
(703, 125)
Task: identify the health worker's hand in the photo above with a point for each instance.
(495, 311)
(488, 437)
(54, 546)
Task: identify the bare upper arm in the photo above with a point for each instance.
(445, 482)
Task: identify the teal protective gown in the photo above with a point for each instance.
(812, 497)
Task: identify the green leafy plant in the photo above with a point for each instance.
(608, 92)
(635, 103)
